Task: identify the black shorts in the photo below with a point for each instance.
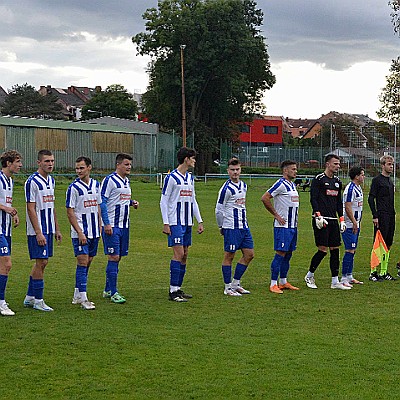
(328, 236)
(387, 226)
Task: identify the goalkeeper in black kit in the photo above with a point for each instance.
(327, 206)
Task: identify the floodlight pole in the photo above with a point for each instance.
(182, 46)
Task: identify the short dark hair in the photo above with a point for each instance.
(234, 161)
(286, 163)
(354, 171)
(329, 157)
(42, 153)
(184, 152)
(121, 157)
(10, 156)
(87, 160)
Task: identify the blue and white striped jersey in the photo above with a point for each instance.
(353, 194)
(286, 202)
(6, 194)
(178, 200)
(85, 199)
(41, 191)
(117, 191)
(230, 209)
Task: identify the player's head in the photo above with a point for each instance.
(387, 164)
(121, 157)
(289, 169)
(355, 171)
(234, 169)
(9, 157)
(43, 153)
(332, 164)
(123, 163)
(84, 159)
(45, 162)
(185, 152)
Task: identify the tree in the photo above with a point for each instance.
(226, 66)
(395, 14)
(115, 101)
(390, 96)
(25, 101)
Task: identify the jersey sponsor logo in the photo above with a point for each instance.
(124, 196)
(90, 203)
(241, 201)
(185, 193)
(295, 199)
(9, 200)
(48, 199)
(330, 192)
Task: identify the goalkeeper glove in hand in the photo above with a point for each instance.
(320, 221)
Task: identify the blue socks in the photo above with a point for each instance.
(38, 288)
(227, 274)
(239, 271)
(276, 266)
(81, 278)
(182, 273)
(175, 273)
(112, 276)
(285, 265)
(347, 263)
(3, 284)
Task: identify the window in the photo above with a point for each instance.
(272, 130)
(244, 128)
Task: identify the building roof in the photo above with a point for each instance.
(70, 125)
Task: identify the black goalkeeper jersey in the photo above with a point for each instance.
(326, 196)
(381, 196)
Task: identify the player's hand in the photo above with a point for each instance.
(15, 220)
(342, 224)
(58, 236)
(82, 238)
(108, 229)
(135, 204)
(282, 221)
(166, 229)
(221, 231)
(11, 210)
(376, 222)
(320, 221)
(200, 228)
(41, 240)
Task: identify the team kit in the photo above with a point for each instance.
(101, 210)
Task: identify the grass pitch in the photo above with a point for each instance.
(309, 344)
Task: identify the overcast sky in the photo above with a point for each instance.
(326, 55)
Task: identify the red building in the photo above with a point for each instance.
(263, 131)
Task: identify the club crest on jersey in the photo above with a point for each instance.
(90, 203)
(336, 184)
(185, 193)
(330, 192)
(48, 199)
(124, 196)
(9, 200)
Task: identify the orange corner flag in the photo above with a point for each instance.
(378, 251)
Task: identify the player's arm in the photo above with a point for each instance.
(349, 212)
(104, 215)
(9, 210)
(266, 200)
(314, 196)
(31, 211)
(58, 235)
(372, 202)
(197, 215)
(164, 201)
(74, 223)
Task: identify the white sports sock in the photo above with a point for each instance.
(83, 296)
(273, 283)
(2, 302)
(235, 283)
(310, 274)
(335, 280)
(173, 289)
(283, 281)
(76, 292)
(28, 298)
